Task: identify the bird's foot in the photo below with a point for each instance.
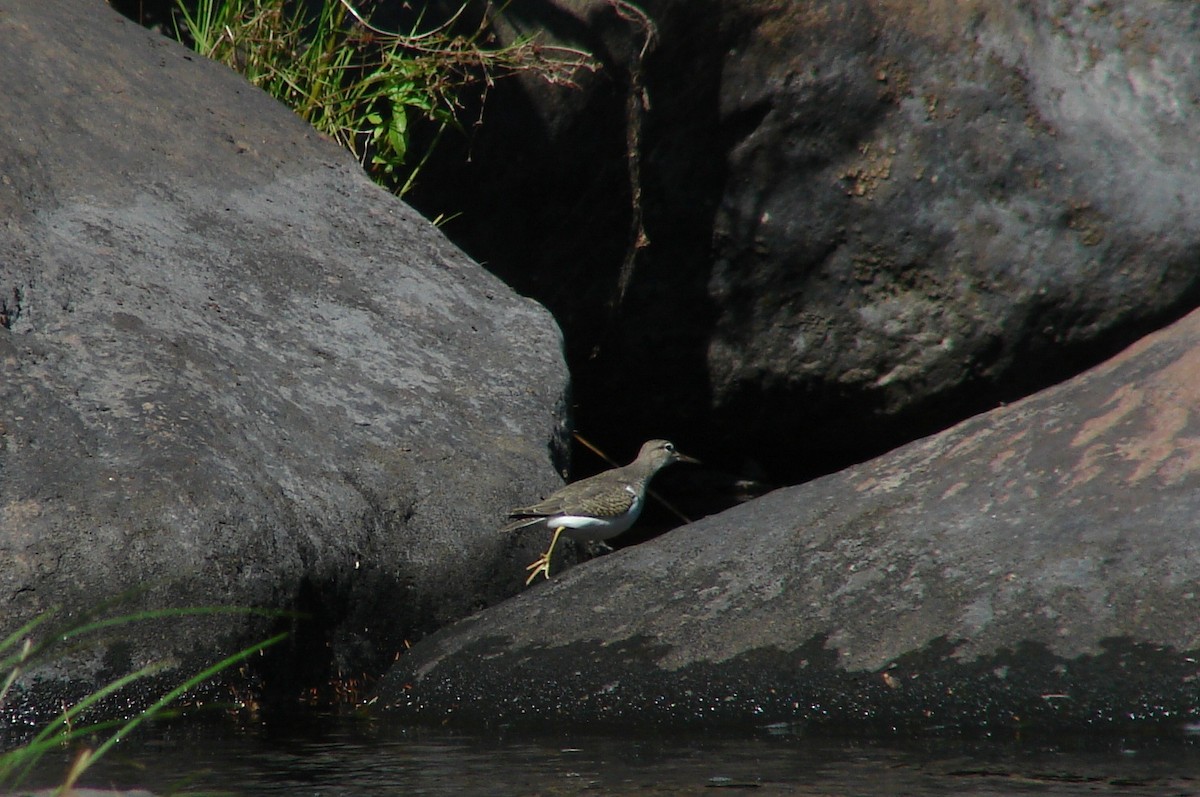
(542, 565)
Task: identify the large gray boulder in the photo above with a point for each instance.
(866, 218)
(1033, 566)
(233, 371)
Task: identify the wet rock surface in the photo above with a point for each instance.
(1034, 565)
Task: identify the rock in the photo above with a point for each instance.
(867, 220)
(1035, 566)
(233, 371)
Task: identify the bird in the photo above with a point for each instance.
(599, 507)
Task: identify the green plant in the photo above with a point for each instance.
(18, 652)
(361, 85)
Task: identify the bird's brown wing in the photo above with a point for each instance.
(590, 496)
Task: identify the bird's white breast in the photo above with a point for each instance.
(584, 527)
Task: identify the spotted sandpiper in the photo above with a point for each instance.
(599, 507)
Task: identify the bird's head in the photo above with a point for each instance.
(660, 453)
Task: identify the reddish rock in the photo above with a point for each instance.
(1036, 565)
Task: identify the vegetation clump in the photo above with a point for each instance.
(363, 86)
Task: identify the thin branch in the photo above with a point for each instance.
(637, 103)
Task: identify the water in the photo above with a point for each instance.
(353, 758)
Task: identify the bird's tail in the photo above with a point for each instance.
(520, 523)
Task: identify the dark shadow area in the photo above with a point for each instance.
(539, 193)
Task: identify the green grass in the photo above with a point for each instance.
(19, 652)
(365, 87)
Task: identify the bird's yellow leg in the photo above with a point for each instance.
(542, 565)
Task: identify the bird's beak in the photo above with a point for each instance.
(685, 458)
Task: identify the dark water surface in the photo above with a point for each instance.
(354, 758)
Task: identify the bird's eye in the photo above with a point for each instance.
(669, 447)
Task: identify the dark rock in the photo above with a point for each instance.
(234, 371)
(1036, 565)
(867, 219)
